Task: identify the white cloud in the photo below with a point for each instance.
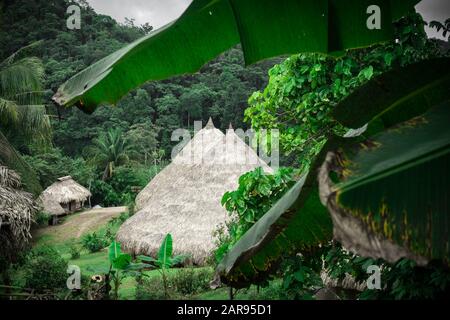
(434, 10)
(156, 12)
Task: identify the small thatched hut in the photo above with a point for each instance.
(184, 198)
(64, 196)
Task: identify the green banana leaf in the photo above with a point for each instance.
(118, 260)
(165, 252)
(398, 187)
(265, 28)
(397, 95)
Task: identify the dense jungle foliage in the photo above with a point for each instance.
(144, 119)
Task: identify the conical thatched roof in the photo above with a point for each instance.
(65, 190)
(184, 198)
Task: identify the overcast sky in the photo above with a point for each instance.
(160, 12)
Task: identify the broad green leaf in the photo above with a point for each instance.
(165, 252)
(398, 187)
(397, 95)
(136, 267)
(265, 28)
(122, 262)
(147, 259)
(178, 259)
(118, 259)
(114, 251)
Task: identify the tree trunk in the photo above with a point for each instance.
(231, 293)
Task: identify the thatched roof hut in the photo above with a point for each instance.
(64, 194)
(184, 198)
(16, 213)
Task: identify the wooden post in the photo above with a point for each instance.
(231, 293)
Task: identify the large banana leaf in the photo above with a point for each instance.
(397, 95)
(165, 252)
(394, 201)
(265, 28)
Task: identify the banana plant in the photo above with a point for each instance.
(165, 260)
(121, 266)
(259, 251)
(392, 200)
(264, 28)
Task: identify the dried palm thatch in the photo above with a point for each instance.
(184, 198)
(50, 206)
(16, 213)
(66, 190)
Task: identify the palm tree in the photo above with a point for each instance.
(111, 149)
(444, 26)
(23, 119)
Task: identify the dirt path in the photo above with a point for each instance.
(78, 224)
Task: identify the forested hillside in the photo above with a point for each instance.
(145, 118)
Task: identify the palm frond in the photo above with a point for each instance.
(34, 122)
(22, 76)
(19, 53)
(8, 112)
(9, 178)
(11, 158)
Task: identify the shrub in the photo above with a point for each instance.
(191, 281)
(74, 251)
(42, 218)
(184, 281)
(94, 243)
(150, 289)
(45, 269)
(118, 220)
(204, 277)
(272, 291)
